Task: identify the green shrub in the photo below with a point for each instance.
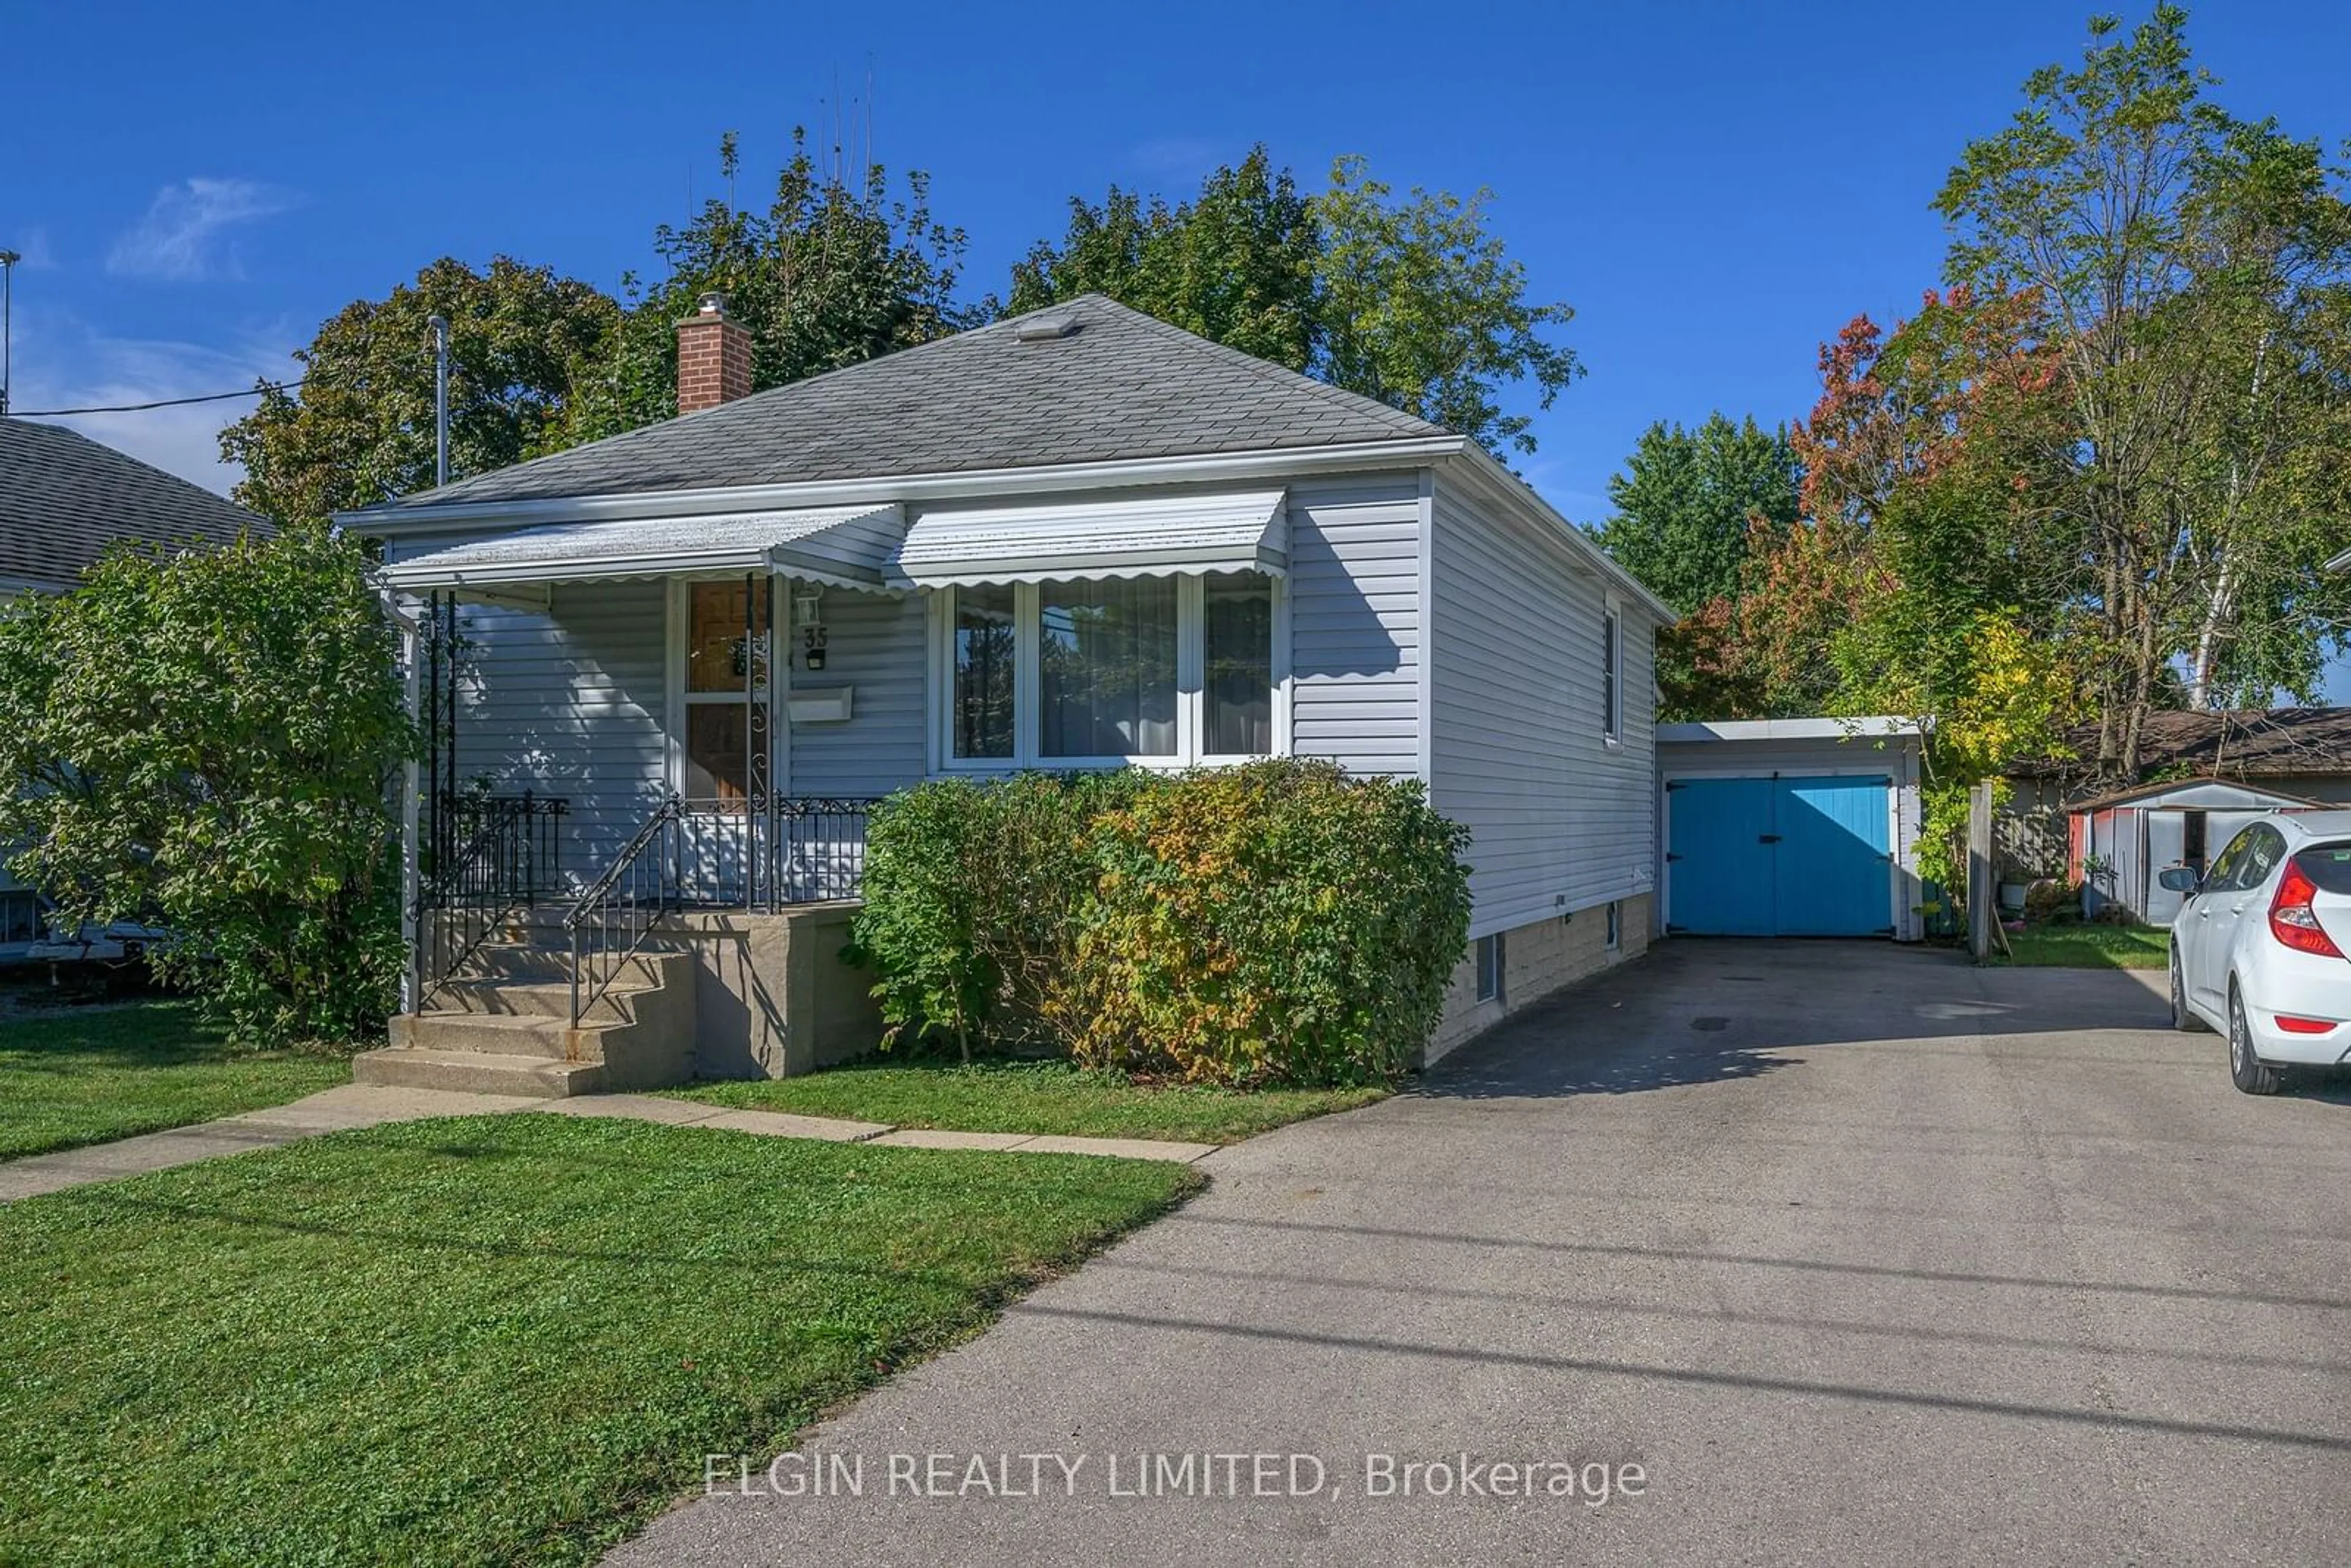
(973, 892)
(212, 740)
(1272, 923)
(1276, 923)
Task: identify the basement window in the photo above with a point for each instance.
(1488, 952)
(1615, 925)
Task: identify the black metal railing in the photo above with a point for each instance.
(613, 919)
(710, 855)
(497, 853)
(799, 850)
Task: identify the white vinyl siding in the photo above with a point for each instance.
(569, 704)
(1355, 622)
(874, 645)
(1563, 819)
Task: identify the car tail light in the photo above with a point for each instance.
(2292, 921)
(2293, 1025)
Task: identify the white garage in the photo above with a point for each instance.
(1790, 827)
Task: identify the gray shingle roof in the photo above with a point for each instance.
(2243, 743)
(1121, 386)
(64, 497)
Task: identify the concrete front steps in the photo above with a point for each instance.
(505, 1027)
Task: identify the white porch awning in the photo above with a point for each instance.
(844, 546)
(1146, 537)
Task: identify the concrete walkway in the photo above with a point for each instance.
(371, 1105)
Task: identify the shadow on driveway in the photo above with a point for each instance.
(1696, 1011)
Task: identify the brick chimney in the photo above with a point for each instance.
(713, 357)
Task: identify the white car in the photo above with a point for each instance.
(2258, 949)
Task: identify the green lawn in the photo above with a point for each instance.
(485, 1339)
(83, 1077)
(2091, 947)
(1000, 1096)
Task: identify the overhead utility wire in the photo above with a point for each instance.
(160, 403)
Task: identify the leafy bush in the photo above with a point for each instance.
(972, 895)
(212, 739)
(1273, 922)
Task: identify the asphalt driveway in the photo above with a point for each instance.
(1859, 1254)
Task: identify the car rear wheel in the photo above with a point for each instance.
(2183, 1017)
(2246, 1070)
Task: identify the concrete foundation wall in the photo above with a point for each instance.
(773, 996)
(1538, 958)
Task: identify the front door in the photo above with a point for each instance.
(728, 751)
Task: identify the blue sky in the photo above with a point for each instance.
(1714, 187)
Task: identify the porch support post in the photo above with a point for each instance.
(449, 721)
(754, 735)
(412, 973)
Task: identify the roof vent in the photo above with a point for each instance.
(1045, 328)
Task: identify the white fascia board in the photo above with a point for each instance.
(1478, 467)
(1875, 726)
(1268, 463)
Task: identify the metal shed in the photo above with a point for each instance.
(1790, 827)
(2116, 844)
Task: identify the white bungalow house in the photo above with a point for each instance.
(685, 659)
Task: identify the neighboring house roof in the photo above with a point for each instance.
(2245, 743)
(1875, 727)
(1118, 386)
(2150, 795)
(63, 499)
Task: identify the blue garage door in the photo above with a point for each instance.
(1778, 857)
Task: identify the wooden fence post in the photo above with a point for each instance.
(1982, 903)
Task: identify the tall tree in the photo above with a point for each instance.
(2189, 270)
(833, 271)
(1684, 501)
(1236, 264)
(1424, 308)
(215, 738)
(1407, 298)
(360, 428)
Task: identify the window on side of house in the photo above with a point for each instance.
(20, 916)
(1488, 954)
(1615, 925)
(1157, 670)
(1612, 695)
